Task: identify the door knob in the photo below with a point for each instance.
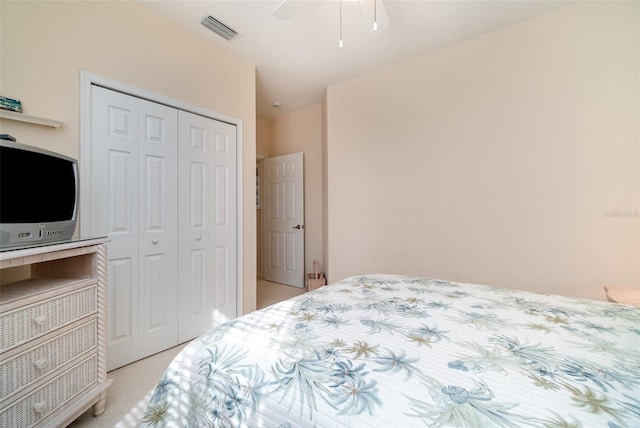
(298, 227)
(154, 241)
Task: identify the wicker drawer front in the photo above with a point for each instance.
(28, 322)
(43, 401)
(24, 369)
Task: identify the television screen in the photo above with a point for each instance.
(35, 187)
(38, 196)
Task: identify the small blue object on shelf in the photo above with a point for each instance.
(10, 104)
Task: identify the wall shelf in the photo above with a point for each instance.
(12, 115)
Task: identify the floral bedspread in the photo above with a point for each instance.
(396, 351)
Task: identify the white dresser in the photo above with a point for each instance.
(53, 333)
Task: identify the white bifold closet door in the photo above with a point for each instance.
(163, 189)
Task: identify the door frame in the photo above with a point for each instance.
(87, 79)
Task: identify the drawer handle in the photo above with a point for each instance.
(40, 407)
(40, 364)
(40, 319)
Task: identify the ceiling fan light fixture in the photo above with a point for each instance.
(375, 15)
(340, 44)
(220, 28)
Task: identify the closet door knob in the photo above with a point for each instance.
(198, 237)
(155, 241)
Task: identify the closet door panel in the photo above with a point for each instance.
(158, 217)
(114, 212)
(122, 322)
(195, 300)
(207, 238)
(197, 292)
(224, 232)
(197, 179)
(197, 270)
(223, 296)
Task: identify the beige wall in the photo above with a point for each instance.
(509, 159)
(262, 149)
(46, 44)
(301, 131)
(262, 136)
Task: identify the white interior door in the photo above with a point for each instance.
(207, 212)
(134, 202)
(283, 217)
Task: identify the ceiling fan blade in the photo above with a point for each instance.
(374, 10)
(285, 10)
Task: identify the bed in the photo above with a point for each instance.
(398, 351)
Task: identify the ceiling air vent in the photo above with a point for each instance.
(219, 28)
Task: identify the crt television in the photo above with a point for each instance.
(38, 195)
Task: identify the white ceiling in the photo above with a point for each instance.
(297, 58)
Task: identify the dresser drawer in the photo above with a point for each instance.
(29, 322)
(26, 368)
(43, 401)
